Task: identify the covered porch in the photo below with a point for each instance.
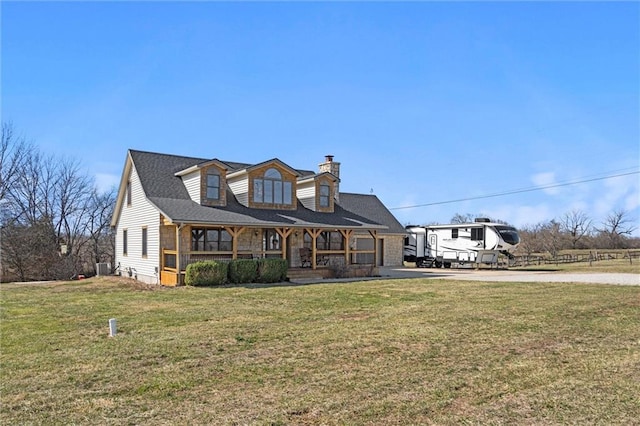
(311, 251)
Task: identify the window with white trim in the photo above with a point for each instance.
(144, 241)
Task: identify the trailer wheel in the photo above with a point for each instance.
(438, 264)
(447, 264)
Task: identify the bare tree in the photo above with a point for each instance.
(464, 218)
(30, 251)
(32, 193)
(101, 237)
(29, 244)
(531, 239)
(542, 237)
(548, 237)
(470, 218)
(576, 224)
(55, 224)
(616, 226)
(13, 151)
(72, 204)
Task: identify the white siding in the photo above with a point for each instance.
(133, 218)
(240, 188)
(192, 182)
(306, 193)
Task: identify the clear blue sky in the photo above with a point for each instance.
(421, 102)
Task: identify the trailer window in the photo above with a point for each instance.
(477, 234)
(454, 233)
(509, 234)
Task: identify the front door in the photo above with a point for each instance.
(432, 246)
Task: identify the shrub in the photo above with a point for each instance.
(206, 273)
(243, 271)
(272, 270)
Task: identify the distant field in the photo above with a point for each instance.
(377, 352)
(613, 266)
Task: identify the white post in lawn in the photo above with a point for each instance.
(112, 327)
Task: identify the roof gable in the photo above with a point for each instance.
(214, 162)
(280, 163)
(314, 177)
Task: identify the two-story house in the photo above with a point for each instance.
(173, 210)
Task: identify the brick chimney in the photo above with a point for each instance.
(332, 167)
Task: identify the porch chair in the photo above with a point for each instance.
(305, 257)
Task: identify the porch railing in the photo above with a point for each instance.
(169, 257)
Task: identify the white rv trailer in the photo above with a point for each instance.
(442, 245)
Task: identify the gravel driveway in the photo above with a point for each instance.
(513, 276)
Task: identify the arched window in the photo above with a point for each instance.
(273, 174)
(272, 189)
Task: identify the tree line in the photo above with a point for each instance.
(576, 230)
(573, 230)
(54, 222)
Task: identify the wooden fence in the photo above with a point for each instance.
(592, 256)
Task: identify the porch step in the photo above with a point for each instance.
(304, 274)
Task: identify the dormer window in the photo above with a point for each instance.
(325, 194)
(213, 185)
(272, 189)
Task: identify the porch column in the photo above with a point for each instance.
(178, 271)
(374, 234)
(314, 235)
(235, 232)
(346, 234)
(284, 233)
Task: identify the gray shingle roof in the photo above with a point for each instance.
(167, 192)
(370, 207)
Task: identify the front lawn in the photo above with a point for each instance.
(376, 352)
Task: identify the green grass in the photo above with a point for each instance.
(376, 352)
